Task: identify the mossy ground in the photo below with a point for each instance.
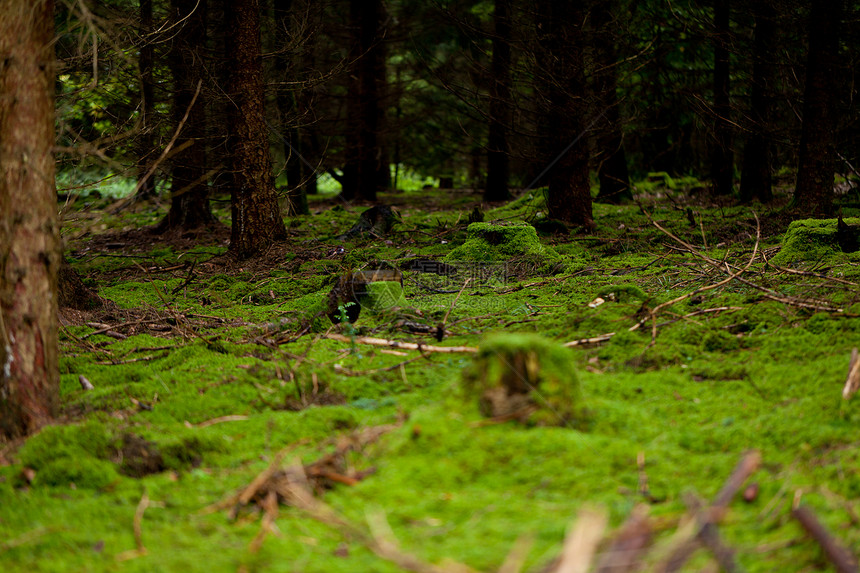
(219, 370)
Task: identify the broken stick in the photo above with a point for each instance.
(842, 559)
(399, 344)
(852, 383)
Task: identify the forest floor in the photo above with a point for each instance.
(229, 426)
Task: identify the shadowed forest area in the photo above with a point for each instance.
(444, 286)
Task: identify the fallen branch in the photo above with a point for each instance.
(652, 314)
(725, 267)
(842, 559)
(704, 528)
(629, 544)
(600, 338)
(219, 420)
(140, 548)
(341, 370)
(852, 383)
(131, 360)
(593, 340)
(293, 486)
(399, 344)
(581, 543)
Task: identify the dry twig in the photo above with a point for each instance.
(852, 382)
(629, 544)
(842, 559)
(703, 529)
(581, 543)
(399, 344)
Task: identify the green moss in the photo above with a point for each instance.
(708, 387)
(623, 292)
(523, 207)
(720, 341)
(73, 454)
(90, 439)
(80, 472)
(382, 296)
(492, 242)
(183, 452)
(812, 240)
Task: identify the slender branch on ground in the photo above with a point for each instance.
(842, 559)
(704, 526)
(852, 382)
(652, 315)
(401, 345)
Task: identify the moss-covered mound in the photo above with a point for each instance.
(525, 377)
(383, 295)
(496, 242)
(375, 291)
(814, 240)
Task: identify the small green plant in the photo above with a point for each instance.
(343, 318)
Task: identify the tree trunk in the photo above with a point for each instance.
(383, 157)
(189, 194)
(145, 148)
(288, 109)
(361, 172)
(257, 221)
(498, 168)
(813, 195)
(611, 160)
(722, 164)
(217, 107)
(29, 230)
(756, 181)
(562, 87)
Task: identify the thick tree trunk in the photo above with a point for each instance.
(189, 194)
(498, 168)
(562, 86)
(145, 147)
(29, 231)
(813, 195)
(257, 221)
(361, 172)
(756, 181)
(611, 159)
(722, 164)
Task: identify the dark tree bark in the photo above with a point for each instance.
(498, 168)
(756, 181)
(813, 194)
(257, 222)
(361, 172)
(561, 85)
(189, 193)
(217, 108)
(29, 230)
(145, 147)
(722, 163)
(611, 159)
(306, 103)
(288, 108)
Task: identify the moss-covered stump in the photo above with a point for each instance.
(495, 242)
(374, 291)
(527, 378)
(819, 240)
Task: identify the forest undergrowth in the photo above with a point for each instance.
(215, 418)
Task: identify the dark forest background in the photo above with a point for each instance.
(578, 97)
